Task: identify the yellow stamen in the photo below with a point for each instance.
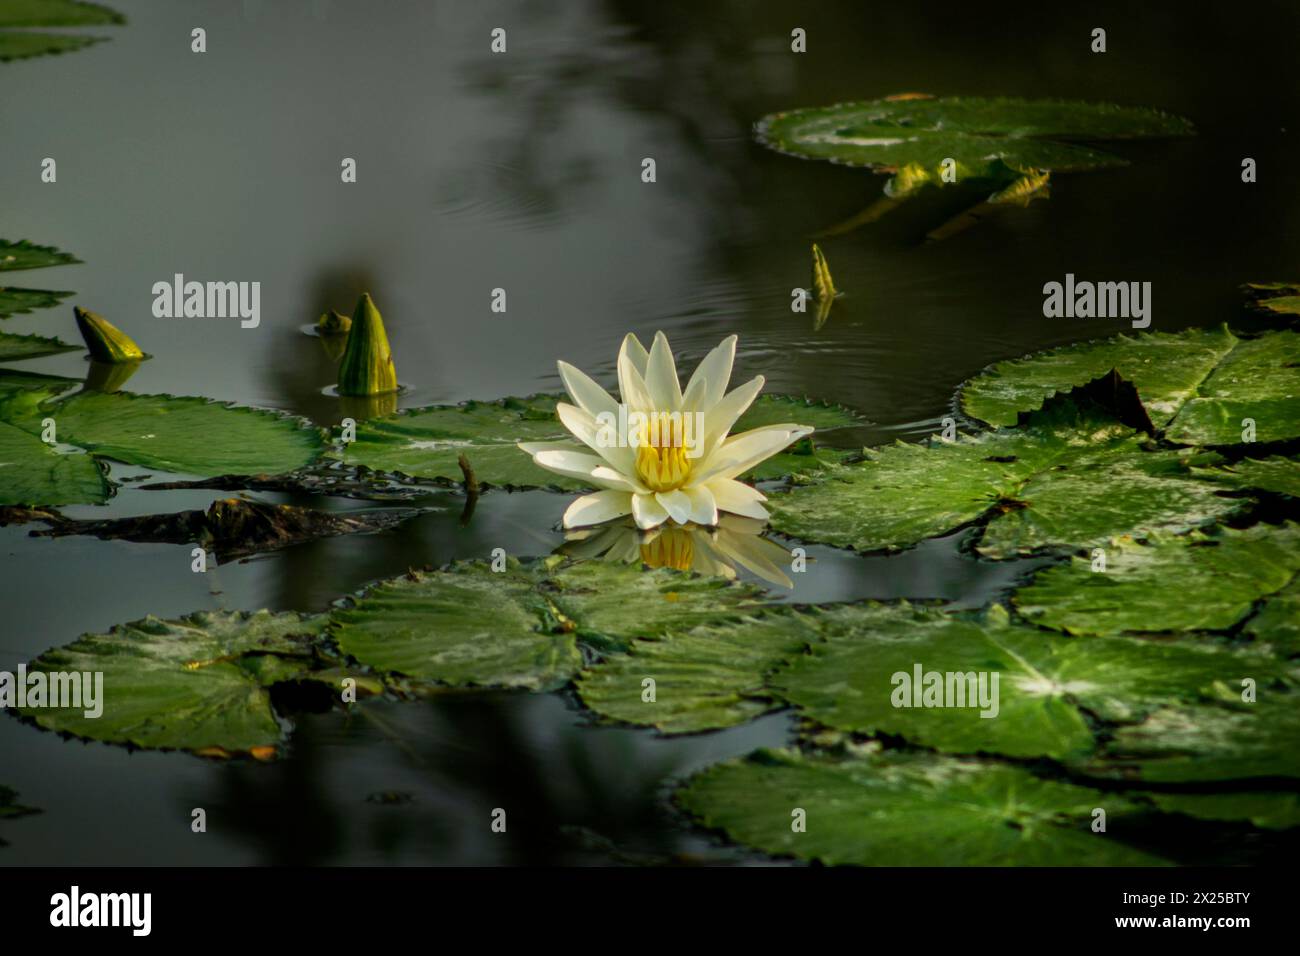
(661, 461)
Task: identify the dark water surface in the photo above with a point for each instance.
(522, 171)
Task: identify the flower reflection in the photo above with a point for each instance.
(734, 543)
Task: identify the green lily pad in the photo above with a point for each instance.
(706, 678)
(863, 678)
(427, 442)
(32, 471)
(1277, 298)
(201, 683)
(471, 626)
(15, 301)
(1276, 810)
(1199, 385)
(1277, 622)
(1184, 583)
(1206, 742)
(16, 347)
(1165, 367)
(190, 435)
(1070, 477)
(1277, 474)
(16, 45)
(467, 626)
(986, 137)
(610, 603)
(26, 255)
(910, 810)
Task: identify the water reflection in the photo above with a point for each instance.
(734, 544)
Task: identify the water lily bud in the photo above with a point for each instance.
(367, 366)
(105, 342)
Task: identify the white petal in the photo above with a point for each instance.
(677, 504)
(704, 509)
(647, 512)
(533, 447)
(597, 508)
(632, 387)
(635, 351)
(723, 415)
(584, 391)
(661, 376)
(603, 441)
(737, 498)
(741, 452)
(715, 370)
(584, 467)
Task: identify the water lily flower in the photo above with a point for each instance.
(686, 474)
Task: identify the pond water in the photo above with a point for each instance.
(522, 171)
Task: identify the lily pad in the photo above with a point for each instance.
(15, 256)
(1199, 385)
(1275, 810)
(427, 442)
(706, 678)
(33, 472)
(15, 301)
(467, 626)
(911, 810)
(1172, 583)
(986, 137)
(1277, 474)
(1070, 477)
(190, 435)
(27, 255)
(16, 45)
(200, 683)
(1206, 742)
(1277, 622)
(868, 677)
(1276, 298)
(16, 347)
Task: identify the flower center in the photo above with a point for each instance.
(663, 466)
(671, 549)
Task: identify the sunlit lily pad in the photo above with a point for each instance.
(427, 442)
(1199, 385)
(201, 683)
(1071, 476)
(1184, 583)
(19, 44)
(1206, 742)
(985, 136)
(705, 678)
(911, 810)
(863, 678)
(189, 435)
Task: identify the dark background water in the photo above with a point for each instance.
(522, 171)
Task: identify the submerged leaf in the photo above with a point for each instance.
(910, 810)
(9, 809)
